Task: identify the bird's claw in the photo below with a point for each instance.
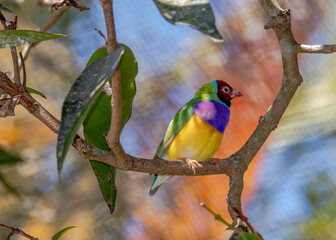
(192, 164)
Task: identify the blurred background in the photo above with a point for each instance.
(290, 187)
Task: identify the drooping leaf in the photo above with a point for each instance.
(194, 13)
(106, 176)
(98, 120)
(14, 38)
(81, 97)
(31, 90)
(3, 8)
(9, 158)
(248, 236)
(59, 234)
(95, 125)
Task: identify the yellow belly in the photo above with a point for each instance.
(197, 140)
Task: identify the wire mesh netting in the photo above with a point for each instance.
(289, 188)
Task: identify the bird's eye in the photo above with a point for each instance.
(226, 89)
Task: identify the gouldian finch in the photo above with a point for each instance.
(197, 129)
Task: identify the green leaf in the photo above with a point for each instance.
(14, 38)
(9, 158)
(61, 233)
(106, 179)
(194, 13)
(81, 97)
(3, 8)
(248, 236)
(31, 90)
(98, 121)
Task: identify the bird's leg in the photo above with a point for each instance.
(191, 163)
(216, 161)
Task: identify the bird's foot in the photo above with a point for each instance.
(192, 164)
(216, 161)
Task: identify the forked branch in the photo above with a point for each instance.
(17, 231)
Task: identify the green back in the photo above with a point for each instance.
(208, 92)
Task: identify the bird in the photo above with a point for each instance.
(196, 131)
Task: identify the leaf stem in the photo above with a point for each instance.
(217, 216)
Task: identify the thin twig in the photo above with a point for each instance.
(53, 19)
(24, 77)
(9, 235)
(17, 231)
(4, 101)
(66, 3)
(101, 34)
(217, 216)
(112, 43)
(245, 219)
(13, 26)
(303, 48)
(16, 66)
(27, 101)
(112, 137)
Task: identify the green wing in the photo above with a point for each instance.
(175, 126)
(208, 92)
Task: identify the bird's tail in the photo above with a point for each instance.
(156, 183)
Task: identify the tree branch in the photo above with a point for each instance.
(280, 22)
(16, 66)
(52, 20)
(66, 3)
(151, 166)
(113, 135)
(27, 101)
(12, 26)
(303, 48)
(17, 231)
(235, 191)
(233, 166)
(24, 76)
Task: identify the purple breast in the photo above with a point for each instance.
(213, 113)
